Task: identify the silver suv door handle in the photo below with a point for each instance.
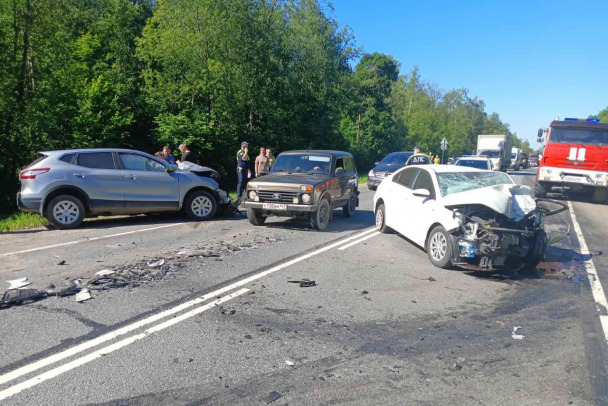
(130, 176)
(79, 175)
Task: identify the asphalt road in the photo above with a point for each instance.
(381, 325)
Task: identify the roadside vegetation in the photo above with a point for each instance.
(142, 74)
(21, 221)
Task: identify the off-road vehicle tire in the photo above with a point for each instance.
(200, 205)
(380, 217)
(319, 219)
(65, 212)
(255, 217)
(350, 207)
(438, 248)
(540, 190)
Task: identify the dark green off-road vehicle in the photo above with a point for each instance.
(304, 184)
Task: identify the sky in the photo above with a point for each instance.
(529, 61)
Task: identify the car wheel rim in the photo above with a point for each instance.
(439, 246)
(66, 212)
(201, 206)
(379, 219)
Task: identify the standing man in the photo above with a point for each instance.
(167, 155)
(271, 159)
(187, 155)
(261, 163)
(418, 158)
(242, 168)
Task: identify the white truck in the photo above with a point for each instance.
(515, 158)
(497, 147)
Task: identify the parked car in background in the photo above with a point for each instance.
(305, 184)
(474, 161)
(464, 216)
(67, 186)
(388, 165)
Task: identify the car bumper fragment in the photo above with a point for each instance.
(28, 204)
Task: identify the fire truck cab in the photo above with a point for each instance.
(575, 156)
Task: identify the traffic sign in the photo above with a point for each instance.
(444, 144)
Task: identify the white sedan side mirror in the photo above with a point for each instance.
(422, 193)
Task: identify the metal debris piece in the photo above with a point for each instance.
(71, 287)
(16, 296)
(272, 396)
(183, 250)
(156, 264)
(18, 283)
(516, 336)
(290, 362)
(431, 279)
(304, 283)
(83, 295)
(105, 272)
(61, 262)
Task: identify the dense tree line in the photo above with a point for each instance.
(144, 73)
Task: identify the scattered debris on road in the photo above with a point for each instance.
(516, 336)
(156, 264)
(431, 279)
(272, 396)
(18, 283)
(18, 296)
(83, 295)
(105, 272)
(290, 362)
(183, 250)
(304, 283)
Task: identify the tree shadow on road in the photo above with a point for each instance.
(340, 223)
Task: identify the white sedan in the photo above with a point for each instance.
(463, 216)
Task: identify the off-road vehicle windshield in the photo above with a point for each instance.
(303, 163)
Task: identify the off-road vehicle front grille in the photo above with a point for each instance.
(284, 197)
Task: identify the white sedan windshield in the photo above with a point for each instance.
(463, 181)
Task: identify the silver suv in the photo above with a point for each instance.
(65, 186)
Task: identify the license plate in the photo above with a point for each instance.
(274, 206)
(576, 179)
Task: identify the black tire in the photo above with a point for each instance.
(372, 187)
(200, 205)
(65, 212)
(540, 190)
(319, 220)
(438, 248)
(380, 217)
(350, 207)
(255, 217)
(598, 195)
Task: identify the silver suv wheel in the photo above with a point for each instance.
(201, 206)
(66, 212)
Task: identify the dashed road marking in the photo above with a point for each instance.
(596, 286)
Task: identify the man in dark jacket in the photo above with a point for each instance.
(187, 155)
(242, 168)
(418, 158)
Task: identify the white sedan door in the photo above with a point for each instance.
(397, 199)
(424, 211)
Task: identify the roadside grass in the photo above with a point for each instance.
(232, 195)
(362, 179)
(21, 221)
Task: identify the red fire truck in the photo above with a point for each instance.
(575, 156)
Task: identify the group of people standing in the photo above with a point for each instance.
(187, 155)
(262, 165)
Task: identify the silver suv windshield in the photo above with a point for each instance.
(463, 181)
(303, 163)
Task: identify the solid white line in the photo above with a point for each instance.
(358, 241)
(159, 316)
(53, 373)
(596, 286)
(90, 239)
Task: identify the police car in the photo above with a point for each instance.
(474, 161)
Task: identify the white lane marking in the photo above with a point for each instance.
(596, 286)
(53, 373)
(90, 239)
(358, 241)
(126, 329)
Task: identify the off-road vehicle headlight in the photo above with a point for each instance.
(305, 198)
(252, 194)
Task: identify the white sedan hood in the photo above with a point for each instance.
(514, 201)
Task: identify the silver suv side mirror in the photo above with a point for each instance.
(171, 168)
